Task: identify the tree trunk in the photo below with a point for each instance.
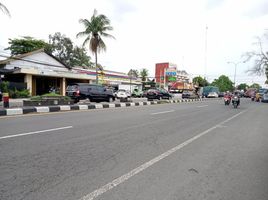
(96, 64)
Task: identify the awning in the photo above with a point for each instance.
(7, 71)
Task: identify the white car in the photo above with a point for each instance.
(213, 95)
(121, 94)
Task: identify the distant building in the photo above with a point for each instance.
(168, 76)
(40, 71)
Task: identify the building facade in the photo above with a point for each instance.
(41, 71)
(168, 76)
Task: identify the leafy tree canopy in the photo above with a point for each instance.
(144, 74)
(133, 73)
(25, 45)
(62, 47)
(201, 82)
(59, 45)
(255, 85)
(242, 86)
(223, 83)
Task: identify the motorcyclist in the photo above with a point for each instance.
(236, 94)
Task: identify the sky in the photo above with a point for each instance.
(153, 31)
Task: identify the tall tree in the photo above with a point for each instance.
(201, 82)
(133, 73)
(242, 86)
(223, 83)
(4, 9)
(255, 85)
(25, 45)
(62, 47)
(260, 58)
(95, 29)
(144, 74)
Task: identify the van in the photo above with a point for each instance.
(92, 92)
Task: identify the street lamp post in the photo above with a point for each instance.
(235, 64)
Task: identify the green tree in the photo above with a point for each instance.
(223, 83)
(144, 74)
(242, 86)
(201, 82)
(25, 45)
(133, 73)
(4, 9)
(255, 85)
(80, 58)
(62, 47)
(95, 29)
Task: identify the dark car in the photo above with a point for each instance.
(1, 96)
(189, 95)
(158, 93)
(79, 91)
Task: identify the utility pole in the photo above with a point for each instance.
(206, 46)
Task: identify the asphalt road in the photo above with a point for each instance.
(198, 150)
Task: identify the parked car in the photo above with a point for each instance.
(158, 93)
(265, 97)
(137, 93)
(189, 95)
(213, 95)
(122, 95)
(79, 91)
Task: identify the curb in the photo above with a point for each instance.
(47, 109)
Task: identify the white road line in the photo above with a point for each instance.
(202, 106)
(148, 164)
(35, 132)
(157, 113)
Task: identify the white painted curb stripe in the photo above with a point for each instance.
(42, 109)
(141, 103)
(14, 111)
(122, 105)
(35, 132)
(132, 104)
(148, 103)
(98, 106)
(63, 108)
(83, 107)
(148, 164)
(111, 105)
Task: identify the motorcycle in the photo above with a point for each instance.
(235, 101)
(227, 101)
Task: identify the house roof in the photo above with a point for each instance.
(22, 56)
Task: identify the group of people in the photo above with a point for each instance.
(232, 96)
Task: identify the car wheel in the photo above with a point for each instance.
(110, 99)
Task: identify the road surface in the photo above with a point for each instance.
(188, 151)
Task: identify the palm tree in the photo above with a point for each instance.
(4, 9)
(144, 74)
(95, 29)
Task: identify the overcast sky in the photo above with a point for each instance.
(152, 31)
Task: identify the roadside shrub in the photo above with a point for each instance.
(51, 94)
(4, 86)
(19, 93)
(36, 98)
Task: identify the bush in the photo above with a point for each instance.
(19, 93)
(36, 98)
(4, 86)
(39, 98)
